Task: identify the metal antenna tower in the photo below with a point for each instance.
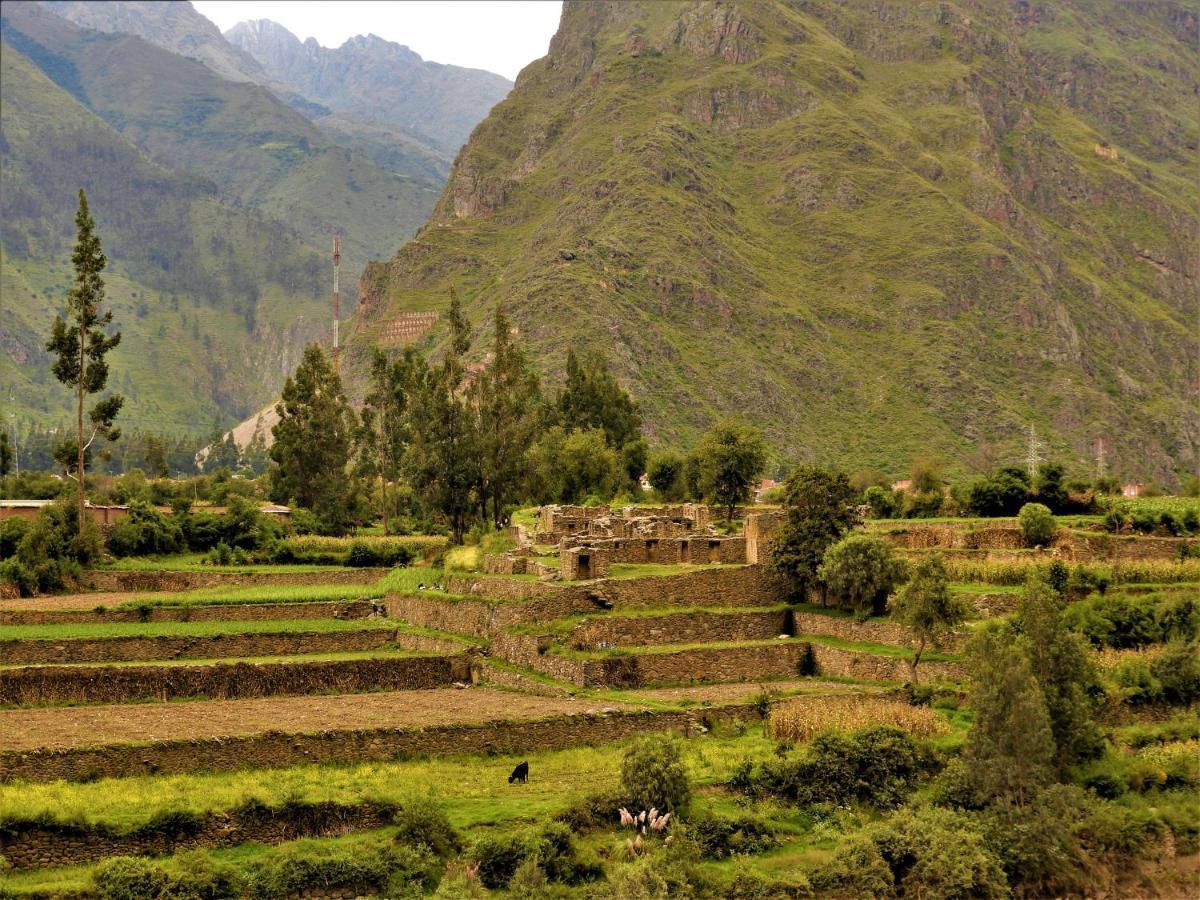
(337, 299)
(1033, 455)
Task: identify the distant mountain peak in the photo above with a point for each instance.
(376, 80)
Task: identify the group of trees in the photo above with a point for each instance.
(464, 445)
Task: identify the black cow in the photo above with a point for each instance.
(520, 774)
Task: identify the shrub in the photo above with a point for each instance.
(422, 821)
(556, 855)
(719, 837)
(1035, 844)
(877, 766)
(862, 570)
(1177, 671)
(11, 532)
(653, 776)
(926, 852)
(1038, 525)
(396, 869)
(145, 531)
(498, 857)
(883, 502)
(129, 878)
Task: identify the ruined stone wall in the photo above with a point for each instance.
(275, 749)
(226, 681)
(759, 530)
(216, 612)
(721, 587)
(681, 628)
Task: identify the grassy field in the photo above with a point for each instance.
(197, 562)
(473, 789)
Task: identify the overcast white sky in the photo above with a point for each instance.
(501, 35)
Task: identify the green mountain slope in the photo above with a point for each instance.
(873, 228)
(376, 81)
(214, 303)
(259, 151)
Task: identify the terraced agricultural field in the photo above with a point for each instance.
(280, 728)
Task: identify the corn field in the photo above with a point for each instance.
(1015, 572)
(802, 718)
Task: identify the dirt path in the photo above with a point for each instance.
(88, 726)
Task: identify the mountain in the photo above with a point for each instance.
(179, 28)
(174, 26)
(376, 81)
(873, 229)
(214, 303)
(260, 152)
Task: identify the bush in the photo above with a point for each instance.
(129, 878)
(423, 822)
(1002, 494)
(1035, 843)
(1038, 525)
(883, 502)
(145, 531)
(719, 837)
(397, 870)
(862, 570)
(556, 855)
(11, 532)
(498, 857)
(879, 766)
(653, 776)
(926, 852)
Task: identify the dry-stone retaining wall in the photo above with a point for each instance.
(132, 649)
(110, 580)
(215, 612)
(877, 631)
(40, 847)
(226, 681)
(277, 749)
(679, 628)
(517, 601)
(712, 664)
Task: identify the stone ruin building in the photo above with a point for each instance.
(591, 538)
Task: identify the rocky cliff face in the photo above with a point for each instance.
(376, 80)
(874, 228)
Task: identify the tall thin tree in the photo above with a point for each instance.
(80, 342)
